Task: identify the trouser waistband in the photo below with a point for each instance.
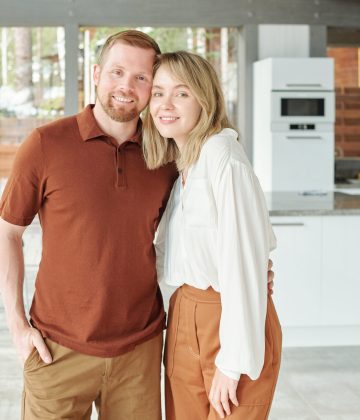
(199, 295)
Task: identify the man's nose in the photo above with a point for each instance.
(127, 83)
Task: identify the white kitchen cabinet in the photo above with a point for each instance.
(297, 269)
(317, 279)
(300, 73)
(341, 270)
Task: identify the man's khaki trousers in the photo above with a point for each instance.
(192, 343)
(126, 387)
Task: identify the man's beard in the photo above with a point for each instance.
(118, 114)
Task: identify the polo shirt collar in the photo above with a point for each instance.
(89, 128)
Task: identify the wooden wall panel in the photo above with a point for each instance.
(346, 66)
(347, 127)
(14, 130)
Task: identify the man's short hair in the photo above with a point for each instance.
(130, 37)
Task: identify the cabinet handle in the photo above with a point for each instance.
(303, 85)
(289, 224)
(304, 137)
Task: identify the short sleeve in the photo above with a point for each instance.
(24, 191)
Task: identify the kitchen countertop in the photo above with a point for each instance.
(344, 200)
(295, 203)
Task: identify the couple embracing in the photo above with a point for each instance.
(124, 203)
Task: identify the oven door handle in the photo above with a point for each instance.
(304, 137)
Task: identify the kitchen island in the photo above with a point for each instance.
(316, 266)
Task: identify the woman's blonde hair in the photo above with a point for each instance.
(202, 80)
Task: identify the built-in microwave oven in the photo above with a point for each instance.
(303, 106)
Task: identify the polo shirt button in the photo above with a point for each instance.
(119, 170)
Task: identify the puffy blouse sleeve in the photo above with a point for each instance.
(245, 238)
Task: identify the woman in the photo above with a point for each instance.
(222, 353)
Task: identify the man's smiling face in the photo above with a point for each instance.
(124, 81)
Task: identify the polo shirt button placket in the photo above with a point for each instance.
(120, 165)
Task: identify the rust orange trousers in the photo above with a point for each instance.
(192, 344)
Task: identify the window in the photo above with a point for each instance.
(218, 45)
(32, 73)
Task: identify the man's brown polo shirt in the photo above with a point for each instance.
(96, 289)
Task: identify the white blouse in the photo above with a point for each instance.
(216, 232)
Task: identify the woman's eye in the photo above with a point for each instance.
(156, 94)
(183, 94)
(141, 78)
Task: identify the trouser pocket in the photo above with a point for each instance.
(171, 333)
(29, 360)
(189, 308)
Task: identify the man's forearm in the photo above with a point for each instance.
(11, 281)
(11, 286)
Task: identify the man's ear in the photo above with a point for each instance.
(96, 74)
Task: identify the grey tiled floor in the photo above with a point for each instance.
(314, 383)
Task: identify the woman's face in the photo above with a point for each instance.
(173, 107)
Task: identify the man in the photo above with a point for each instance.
(97, 316)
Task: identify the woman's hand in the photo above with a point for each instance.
(222, 390)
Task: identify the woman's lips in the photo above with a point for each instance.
(168, 119)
